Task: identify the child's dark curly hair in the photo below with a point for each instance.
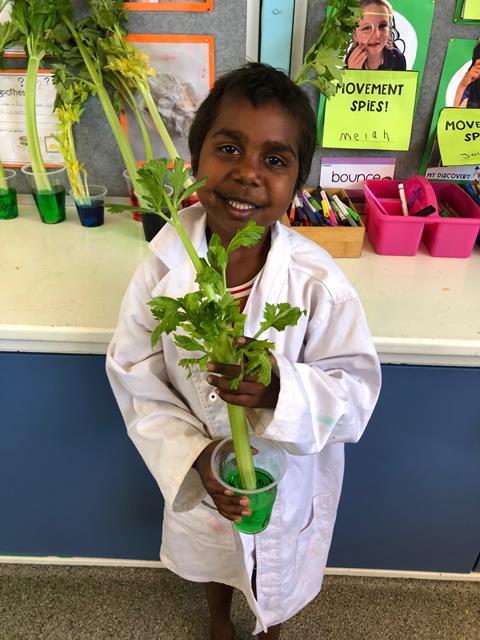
(261, 84)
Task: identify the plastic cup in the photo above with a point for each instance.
(91, 211)
(152, 222)
(8, 196)
(50, 204)
(270, 464)
(132, 195)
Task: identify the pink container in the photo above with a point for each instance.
(453, 237)
(389, 231)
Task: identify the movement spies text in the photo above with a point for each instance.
(370, 88)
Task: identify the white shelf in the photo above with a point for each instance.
(61, 287)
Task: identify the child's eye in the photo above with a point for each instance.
(275, 161)
(228, 148)
(383, 26)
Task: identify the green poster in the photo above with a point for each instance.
(371, 110)
(457, 88)
(458, 132)
(396, 42)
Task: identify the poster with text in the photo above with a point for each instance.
(459, 89)
(390, 37)
(371, 110)
(184, 73)
(169, 5)
(13, 138)
(467, 11)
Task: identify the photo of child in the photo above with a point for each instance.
(376, 42)
(467, 94)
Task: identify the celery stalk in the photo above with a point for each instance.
(109, 110)
(38, 167)
(3, 180)
(208, 320)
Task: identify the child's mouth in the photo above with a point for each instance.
(240, 208)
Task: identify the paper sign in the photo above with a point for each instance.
(13, 138)
(350, 173)
(471, 10)
(371, 110)
(454, 173)
(458, 132)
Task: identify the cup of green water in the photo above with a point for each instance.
(270, 463)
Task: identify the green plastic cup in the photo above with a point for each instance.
(270, 464)
(50, 204)
(8, 196)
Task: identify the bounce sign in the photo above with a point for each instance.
(371, 110)
(458, 132)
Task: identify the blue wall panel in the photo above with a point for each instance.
(411, 496)
(71, 482)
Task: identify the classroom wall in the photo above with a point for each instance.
(227, 23)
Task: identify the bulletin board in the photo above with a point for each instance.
(443, 29)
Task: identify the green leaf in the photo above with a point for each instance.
(168, 311)
(248, 236)
(188, 343)
(211, 278)
(217, 254)
(279, 316)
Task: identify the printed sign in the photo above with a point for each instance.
(350, 173)
(371, 110)
(459, 87)
(471, 10)
(454, 173)
(13, 138)
(389, 37)
(184, 73)
(458, 133)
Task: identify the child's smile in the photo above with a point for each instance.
(250, 157)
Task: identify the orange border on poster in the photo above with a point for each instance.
(169, 6)
(174, 37)
(19, 72)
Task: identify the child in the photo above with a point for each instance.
(254, 138)
(374, 39)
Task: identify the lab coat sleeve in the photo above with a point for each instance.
(329, 397)
(167, 435)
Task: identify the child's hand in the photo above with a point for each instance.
(229, 506)
(250, 392)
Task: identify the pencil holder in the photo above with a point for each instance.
(270, 464)
(453, 237)
(389, 231)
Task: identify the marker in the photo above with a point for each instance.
(403, 200)
(331, 215)
(413, 199)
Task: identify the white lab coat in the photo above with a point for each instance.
(329, 383)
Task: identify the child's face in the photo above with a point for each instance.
(250, 157)
(374, 28)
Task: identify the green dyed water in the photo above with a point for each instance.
(51, 204)
(8, 204)
(261, 504)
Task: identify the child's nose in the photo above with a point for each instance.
(248, 171)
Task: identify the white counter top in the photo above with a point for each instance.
(61, 287)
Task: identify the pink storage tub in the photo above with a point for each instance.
(389, 231)
(453, 237)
